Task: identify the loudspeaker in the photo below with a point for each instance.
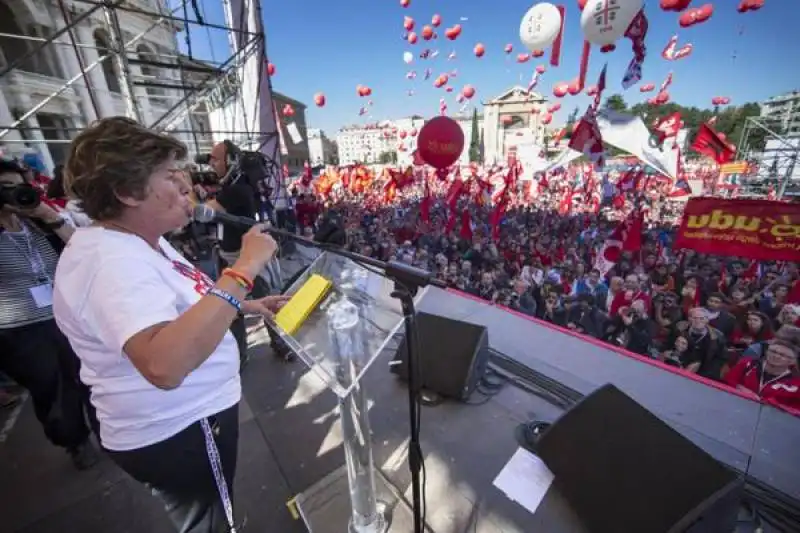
(623, 470)
(452, 355)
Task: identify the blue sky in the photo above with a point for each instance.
(331, 46)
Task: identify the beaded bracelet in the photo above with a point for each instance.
(228, 297)
(245, 282)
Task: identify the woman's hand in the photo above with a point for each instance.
(42, 212)
(266, 306)
(258, 248)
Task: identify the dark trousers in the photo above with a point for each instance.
(40, 359)
(178, 471)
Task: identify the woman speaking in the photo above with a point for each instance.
(151, 330)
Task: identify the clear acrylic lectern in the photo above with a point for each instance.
(339, 341)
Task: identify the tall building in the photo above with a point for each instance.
(294, 132)
(512, 121)
(367, 143)
(783, 112)
(321, 150)
(26, 92)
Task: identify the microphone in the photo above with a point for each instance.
(204, 214)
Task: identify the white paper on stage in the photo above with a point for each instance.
(628, 133)
(525, 479)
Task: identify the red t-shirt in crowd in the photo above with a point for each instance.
(781, 390)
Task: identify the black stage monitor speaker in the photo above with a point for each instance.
(623, 470)
(453, 355)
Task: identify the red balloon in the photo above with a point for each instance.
(319, 99)
(271, 69)
(582, 4)
(468, 91)
(453, 33)
(560, 90)
(402, 134)
(704, 12)
(427, 33)
(440, 142)
(523, 58)
(413, 132)
(750, 5)
(412, 38)
(647, 87)
(575, 87)
(408, 23)
(436, 20)
(537, 53)
(541, 69)
(508, 48)
(479, 50)
(553, 108)
(675, 5)
(405, 3)
(547, 118)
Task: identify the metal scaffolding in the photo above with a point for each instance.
(773, 156)
(166, 91)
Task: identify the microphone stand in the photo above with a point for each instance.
(407, 282)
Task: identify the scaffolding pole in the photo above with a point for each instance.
(121, 59)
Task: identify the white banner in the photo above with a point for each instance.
(628, 133)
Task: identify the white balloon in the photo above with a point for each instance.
(408, 57)
(603, 22)
(540, 26)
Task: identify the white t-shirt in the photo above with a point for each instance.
(108, 287)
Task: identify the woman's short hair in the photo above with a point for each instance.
(115, 157)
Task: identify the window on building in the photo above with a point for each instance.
(150, 74)
(13, 48)
(109, 68)
(56, 130)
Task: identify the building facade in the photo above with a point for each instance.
(47, 122)
(321, 150)
(366, 143)
(783, 113)
(512, 122)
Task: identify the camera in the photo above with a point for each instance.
(22, 196)
(202, 159)
(204, 178)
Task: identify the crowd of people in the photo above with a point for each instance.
(97, 330)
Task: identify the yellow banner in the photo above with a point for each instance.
(737, 167)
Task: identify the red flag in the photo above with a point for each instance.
(709, 143)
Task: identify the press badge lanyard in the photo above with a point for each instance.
(31, 253)
(219, 478)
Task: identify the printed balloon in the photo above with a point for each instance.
(319, 99)
(479, 50)
(540, 26)
(604, 22)
(440, 142)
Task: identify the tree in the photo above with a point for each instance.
(730, 120)
(616, 102)
(573, 117)
(481, 149)
(387, 158)
(474, 143)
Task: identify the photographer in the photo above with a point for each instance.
(33, 351)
